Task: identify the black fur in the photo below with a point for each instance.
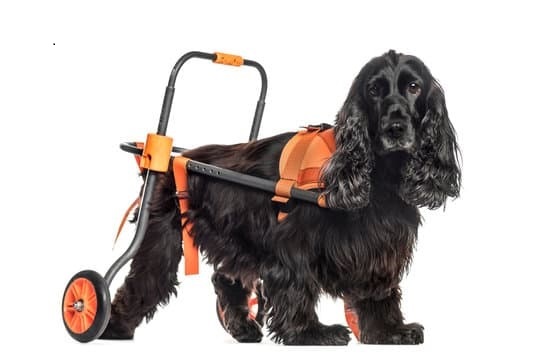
(396, 151)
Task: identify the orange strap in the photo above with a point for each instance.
(133, 205)
(291, 160)
(281, 216)
(322, 201)
(190, 251)
(352, 319)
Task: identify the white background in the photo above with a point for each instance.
(479, 281)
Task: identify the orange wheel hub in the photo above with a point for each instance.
(80, 305)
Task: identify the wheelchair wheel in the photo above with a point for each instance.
(86, 306)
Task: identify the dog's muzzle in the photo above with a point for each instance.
(396, 130)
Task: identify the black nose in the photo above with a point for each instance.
(395, 130)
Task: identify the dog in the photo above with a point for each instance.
(396, 151)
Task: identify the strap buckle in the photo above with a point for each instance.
(321, 127)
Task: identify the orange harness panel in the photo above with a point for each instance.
(302, 161)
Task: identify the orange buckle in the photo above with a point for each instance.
(156, 153)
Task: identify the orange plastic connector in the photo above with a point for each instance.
(228, 59)
(156, 153)
(80, 318)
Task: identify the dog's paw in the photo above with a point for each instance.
(319, 335)
(405, 334)
(245, 331)
(114, 332)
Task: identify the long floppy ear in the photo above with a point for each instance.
(347, 173)
(433, 172)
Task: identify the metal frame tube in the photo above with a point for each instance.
(142, 221)
(231, 176)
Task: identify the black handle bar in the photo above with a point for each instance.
(220, 58)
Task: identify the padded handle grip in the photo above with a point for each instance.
(228, 59)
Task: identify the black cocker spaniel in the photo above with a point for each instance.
(396, 151)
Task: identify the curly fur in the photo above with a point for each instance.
(432, 173)
(395, 151)
(347, 173)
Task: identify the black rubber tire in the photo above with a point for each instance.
(103, 311)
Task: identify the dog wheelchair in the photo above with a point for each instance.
(86, 303)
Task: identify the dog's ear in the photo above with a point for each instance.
(347, 174)
(433, 172)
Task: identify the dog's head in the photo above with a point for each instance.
(394, 106)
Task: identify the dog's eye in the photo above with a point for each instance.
(374, 90)
(414, 88)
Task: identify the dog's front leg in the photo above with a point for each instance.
(292, 294)
(381, 321)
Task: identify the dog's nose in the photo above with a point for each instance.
(395, 130)
(396, 111)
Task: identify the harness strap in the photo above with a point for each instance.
(132, 206)
(190, 251)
